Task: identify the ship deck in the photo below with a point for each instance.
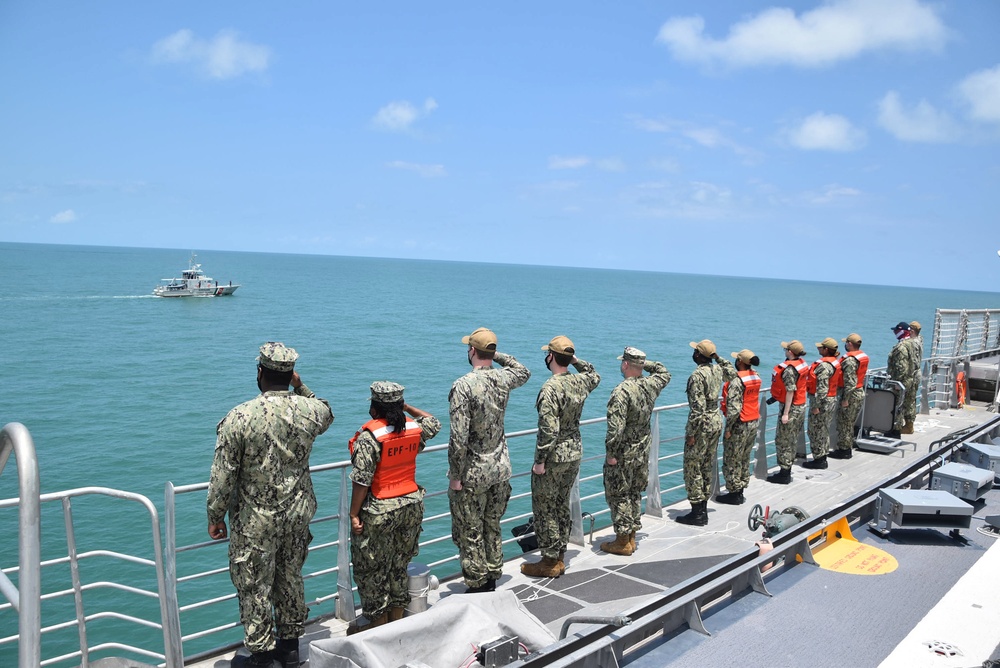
(814, 615)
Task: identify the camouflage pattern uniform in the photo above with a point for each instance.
(260, 474)
(855, 397)
(901, 368)
(786, 436)
(560, 448)
(628, 440)
(913, 386)
(819, 423)
(478, 457)
(738, 440)
(704, 425)
(390, 529)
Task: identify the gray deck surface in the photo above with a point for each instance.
(816, 617)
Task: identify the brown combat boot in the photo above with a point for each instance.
(631, 542)
(907, 427)
(562, 562)
(395, 614)
(622, 545)
(353, 627)
(546, 568)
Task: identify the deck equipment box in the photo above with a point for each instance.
(919, 509)
(962, 480)
(983, 456)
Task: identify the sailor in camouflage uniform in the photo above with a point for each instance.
(558, 450)
(478, 462)
(788, 386)
(387, 504)
(910, 405)
(704, 426)
(903, 368)
(824, 381)
(626, 466)
(853, 368)
(741, 407)
(260, 476)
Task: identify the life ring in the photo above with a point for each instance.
(961, 387)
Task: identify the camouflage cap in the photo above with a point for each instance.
(746, 356)
(915, 326)
(633, 355)
(481, 339)
(560, 344)
(853, 338)
(387, 392)
(795, 346)
(705, 347)
(275, 356)
(828, 342)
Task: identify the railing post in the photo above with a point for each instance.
(74, 569)
(173, 646)
(15, 437)
(760, 451)
(345, 595)
(576, 514)
(654, 504)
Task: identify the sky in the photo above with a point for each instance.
(849, 141)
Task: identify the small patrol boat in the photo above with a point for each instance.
(193, 283)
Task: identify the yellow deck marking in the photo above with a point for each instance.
(843, 554)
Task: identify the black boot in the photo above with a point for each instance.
(816, 463)
(697, 517)
(841, 453)
(782, 477)
(287, 652)
(255, 660)
(489, 585)
(731, 498)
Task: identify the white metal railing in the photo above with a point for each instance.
(960, 336)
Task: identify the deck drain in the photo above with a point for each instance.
(941, 648)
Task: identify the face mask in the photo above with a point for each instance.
(694, 356)
(470, 358)
(548, 361)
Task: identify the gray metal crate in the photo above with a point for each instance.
(919, 509)
(962, 480)
(984, 456)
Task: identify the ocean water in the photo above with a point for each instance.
(122, 389)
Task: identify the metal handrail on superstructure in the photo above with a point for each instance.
(26, 598)
(28, 638)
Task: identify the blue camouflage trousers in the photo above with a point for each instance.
(475, 529)
(550, 504)
(381, 553)
(265, 566)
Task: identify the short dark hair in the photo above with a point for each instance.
(272, 377)
(484, 354)
(562, 359)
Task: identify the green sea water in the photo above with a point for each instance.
(122, 389)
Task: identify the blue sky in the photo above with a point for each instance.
(852, 141)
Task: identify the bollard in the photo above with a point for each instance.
(420, 582)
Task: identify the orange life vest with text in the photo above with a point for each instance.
(862, 367)
(396, 470)
(778, 385)
(836, 380)
(751, 395)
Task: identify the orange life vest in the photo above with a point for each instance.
(862, 367)
(778, 385)
(751, 395)
(395, 473)
(836, 380)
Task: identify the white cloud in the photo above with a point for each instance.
(981, 91)
(832, 193)
(398, 116)
(572, 162)
(225, 56)
(827, 132)
(708, 137)
(835, 31)
(610, 164)
(424, 170)
(67, 216)
(922, 123)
